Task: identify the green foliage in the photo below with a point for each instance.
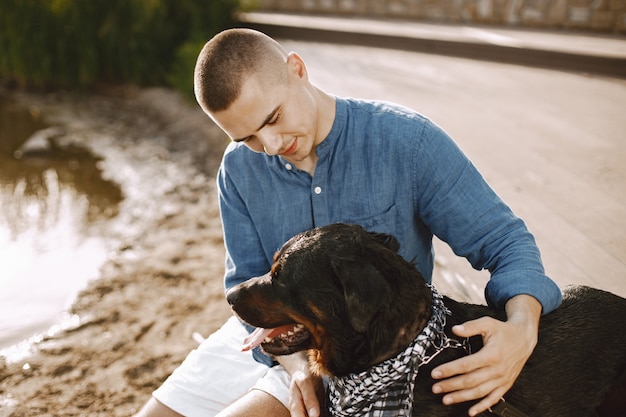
(78, 43)
(181, 73)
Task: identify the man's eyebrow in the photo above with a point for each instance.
(266, 121)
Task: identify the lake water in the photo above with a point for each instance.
(52, 200)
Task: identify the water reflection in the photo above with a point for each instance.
(52, 195)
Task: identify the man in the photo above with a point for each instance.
(302, 158)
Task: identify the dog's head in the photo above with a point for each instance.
(340, 292)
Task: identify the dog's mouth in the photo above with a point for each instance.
(282, 340)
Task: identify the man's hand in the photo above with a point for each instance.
(491, 372)
(305, 395)
(306, 391)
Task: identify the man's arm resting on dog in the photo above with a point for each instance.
(306, 389)
(490, 373)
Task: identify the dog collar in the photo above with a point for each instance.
(386, 389)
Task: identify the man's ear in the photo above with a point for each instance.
(364, 288)
(297, 66)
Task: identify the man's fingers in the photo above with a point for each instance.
(296, 404)
(468, 394)
(303, 400)
(468, 367)
(487, 402)
(450, 369)
(468, 386)
(483, 326)
(310, 400)
(480, 326)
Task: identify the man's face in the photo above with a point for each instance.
(274, 118)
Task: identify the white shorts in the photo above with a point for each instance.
(218, 373)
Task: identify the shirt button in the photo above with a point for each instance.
(318, 190)
(288, 167)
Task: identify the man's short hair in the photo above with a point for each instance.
(228, 59)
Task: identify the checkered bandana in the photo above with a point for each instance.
(386, 389)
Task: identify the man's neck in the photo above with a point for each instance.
(307, 165)
(326, 119)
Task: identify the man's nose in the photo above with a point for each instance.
(271, 141)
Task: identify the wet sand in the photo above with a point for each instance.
(161, 283)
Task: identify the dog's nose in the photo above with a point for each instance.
(232, 296)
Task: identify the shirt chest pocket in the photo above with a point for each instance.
(382, 219)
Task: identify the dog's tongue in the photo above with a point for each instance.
(257, 337)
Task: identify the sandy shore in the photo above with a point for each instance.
(161, 284)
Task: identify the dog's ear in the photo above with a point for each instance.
(389, 241)
(364, 288)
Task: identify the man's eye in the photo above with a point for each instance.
(275, 119)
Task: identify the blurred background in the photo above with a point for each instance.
(74, 43)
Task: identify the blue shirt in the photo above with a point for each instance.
(390, 170)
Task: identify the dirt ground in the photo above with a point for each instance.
(161, 284)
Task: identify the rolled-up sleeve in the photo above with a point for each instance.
(459, 207)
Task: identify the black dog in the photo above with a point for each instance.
(347, 297)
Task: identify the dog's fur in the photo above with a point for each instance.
(361, 303)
